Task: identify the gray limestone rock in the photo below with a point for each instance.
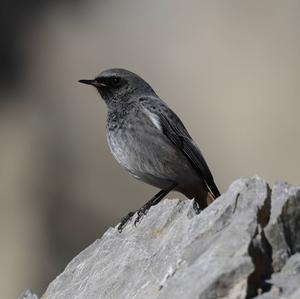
(244, 245)
(28, 295)
(286, 283)
(283, 230)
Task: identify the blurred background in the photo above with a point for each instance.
(230, 69)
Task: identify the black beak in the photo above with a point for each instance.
(94, 82)
(89, 82)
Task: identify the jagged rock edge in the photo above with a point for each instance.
(257, 281)
(291, 249)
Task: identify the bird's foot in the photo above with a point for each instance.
(141, 213)
(145, 208)
(196, 207)
(124, 221)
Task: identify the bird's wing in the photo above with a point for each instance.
(169, 123)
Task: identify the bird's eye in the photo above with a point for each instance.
(115, 81)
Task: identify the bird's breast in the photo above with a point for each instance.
(147, 153)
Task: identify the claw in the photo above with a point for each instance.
(145, 208)
(196, 207)
(124, 221)
(142, 212)
(137, 220)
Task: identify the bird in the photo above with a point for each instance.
(150, 141)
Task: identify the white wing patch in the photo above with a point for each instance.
(154, 118)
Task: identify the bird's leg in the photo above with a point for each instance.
(152, 202)
(145, 208)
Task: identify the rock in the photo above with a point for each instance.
(244, 245)
(285, 283)
(28, 295)
(283, 230)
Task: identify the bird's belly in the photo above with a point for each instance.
(151, 158)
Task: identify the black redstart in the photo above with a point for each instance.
(149, 140)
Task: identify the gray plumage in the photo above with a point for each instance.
(149, 140)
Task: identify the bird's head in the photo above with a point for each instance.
(115, 85)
